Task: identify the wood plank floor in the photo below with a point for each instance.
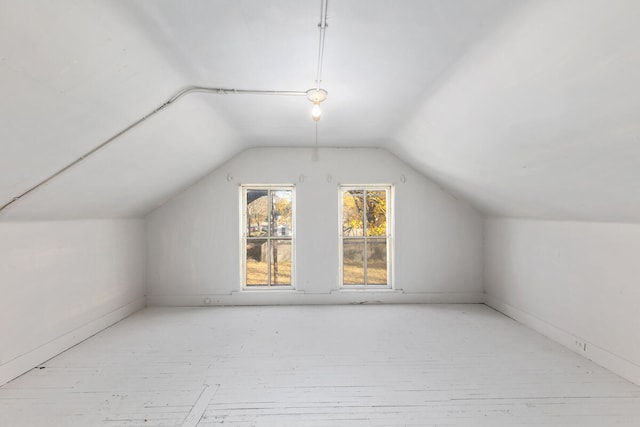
(362, 365)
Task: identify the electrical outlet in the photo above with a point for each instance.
(207, 301)
(581, 345)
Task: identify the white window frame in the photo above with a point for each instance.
(244, 237)
(389, 189)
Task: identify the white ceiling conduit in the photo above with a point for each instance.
(318, 95)
(315, 95)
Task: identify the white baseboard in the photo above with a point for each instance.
(613, 362)
(21, 364)
(287, 297)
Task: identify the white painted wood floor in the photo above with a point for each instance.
(371, 365)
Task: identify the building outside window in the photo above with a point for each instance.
(268, 236)
(365, 236)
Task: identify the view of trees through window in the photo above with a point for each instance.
(269, 235)
(364, 236)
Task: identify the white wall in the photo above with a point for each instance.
(577, 282)
(193, 240)
(61, 282)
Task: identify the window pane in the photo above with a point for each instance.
(281, 262)
(257, 215)
(376, 213)
(257, 262)
(281, 213)
(353, 262)
(377, 261)
(352, 212)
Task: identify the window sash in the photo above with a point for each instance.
(366, 239)
(270, 239)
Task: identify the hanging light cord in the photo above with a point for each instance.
(322, 26)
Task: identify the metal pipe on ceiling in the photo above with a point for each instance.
(322, 26)
(177, 96)
(174, 98)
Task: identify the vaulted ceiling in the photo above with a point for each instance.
(526, 108)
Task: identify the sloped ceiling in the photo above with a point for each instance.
(526, 108)
(542, 118)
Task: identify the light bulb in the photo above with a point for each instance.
(316, 113)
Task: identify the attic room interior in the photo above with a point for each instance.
(320, 213)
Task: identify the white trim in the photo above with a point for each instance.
(243, 237)
(591, 351)
(372, 288)
(297, 297)
(390, 199)
(260, 288)
(25, 362)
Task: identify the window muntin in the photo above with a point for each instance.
(268, 236)
(365, 236)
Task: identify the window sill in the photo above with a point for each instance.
(267, 291)
(371, 290)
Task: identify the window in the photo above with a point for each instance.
(267, 236)
(364, 236)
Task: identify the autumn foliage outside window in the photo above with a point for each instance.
(268, 236)
(364, 236)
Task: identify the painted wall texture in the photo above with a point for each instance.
(574, 281)
(63, 281)
(193, 241)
